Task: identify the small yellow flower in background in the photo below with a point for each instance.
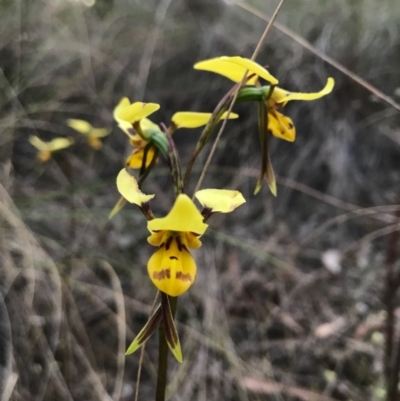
(47, 148)
(92, 134)
(280, 125)
(172, 268)
(188, 119)
(235, 67)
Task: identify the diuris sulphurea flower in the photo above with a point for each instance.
(269, 97)
(47, 148)
(171, 268)
(92, 134)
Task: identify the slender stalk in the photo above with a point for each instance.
(163, 357)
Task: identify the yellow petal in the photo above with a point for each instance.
(253, 67)
(129, 189)
(38, 143)
(156, 238)
(172, 268)
(220, 200)
(187, 119)
(282, 96)
(79, 125)
(135, 112)
(281, 126)
(184, 216)
(123, 103)
(135, 159)
(191, 240)
(229, 70)
(59, 143)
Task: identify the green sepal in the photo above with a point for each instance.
(170, 332)
(266, 165)
(118, 206)
(159, 141)
(250, 94)
(258, 94)
(149, 328)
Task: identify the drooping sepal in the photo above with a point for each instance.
(266, 165)
(149, 328)
(170, 332)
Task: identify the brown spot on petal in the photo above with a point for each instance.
(179, 243)
(162, 274)
(183, 276)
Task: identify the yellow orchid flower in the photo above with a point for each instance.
(47, 148)
(92, 134)
(280, 125)
(187, 119)
(235, 67)
(172, 268)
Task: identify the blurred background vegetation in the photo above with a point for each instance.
(292, 293)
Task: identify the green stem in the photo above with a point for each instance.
(163, 357)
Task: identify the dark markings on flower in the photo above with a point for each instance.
(195, 234)
(162, 274)
(290, 125)
(168, 243)
(183, 276)
(179, 243)
(173, 257)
